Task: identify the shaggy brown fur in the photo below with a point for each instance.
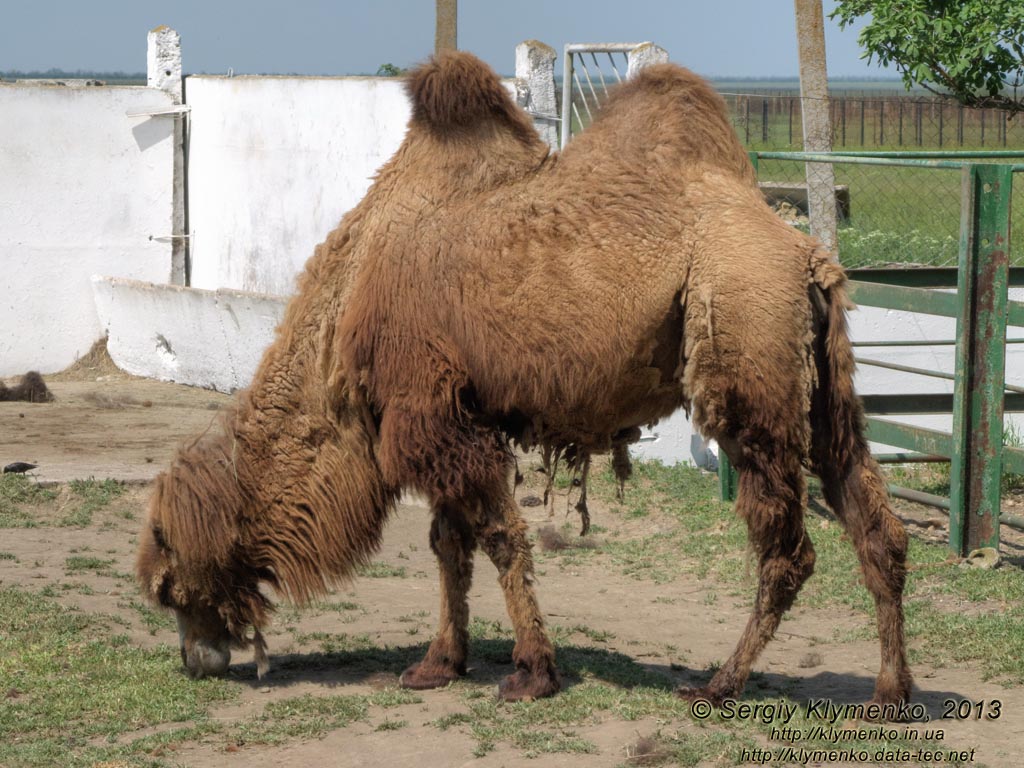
(486, 291)
(31, 389)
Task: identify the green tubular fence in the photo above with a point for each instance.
(982, 310)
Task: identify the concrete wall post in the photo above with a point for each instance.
(535, 87)
(163, 72)
(643, 56)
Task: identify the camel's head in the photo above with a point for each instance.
(203, 634)
(189, 561)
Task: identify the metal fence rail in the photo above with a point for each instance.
(982, 309)
(590, 71)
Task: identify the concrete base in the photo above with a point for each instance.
(211, 339)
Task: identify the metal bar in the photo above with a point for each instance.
(576, 112)
(601, 47)
(904, 368)
(728, 480)
(932, 402)
(1014, 313)
(615, 67)
(590, 84)
(1013, 460)
(934, 154)
(921, 300)
(824, 157)
(600, 74)
(908, 458)
(943, 504)
(923, 371)
(910, 299)
(920, 497)
(920, 439)
(918, 343)
(586, 106)
(566, 126)
(920, 277)
(175, 110)
(981, 358)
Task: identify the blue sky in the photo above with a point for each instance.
(717, 38)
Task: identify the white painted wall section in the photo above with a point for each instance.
(83, 188)
(211, 339)
(274, 163)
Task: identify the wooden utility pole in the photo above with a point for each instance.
(821, 178)
(446, 36)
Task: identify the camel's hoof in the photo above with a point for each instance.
(521, 685)
(424, 675)
(693, 695)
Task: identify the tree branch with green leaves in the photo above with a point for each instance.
(971, 50)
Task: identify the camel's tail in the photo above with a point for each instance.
(851, 481)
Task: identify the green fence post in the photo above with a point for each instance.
(980, 358)
(728, 480)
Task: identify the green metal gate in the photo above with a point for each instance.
(982, 311)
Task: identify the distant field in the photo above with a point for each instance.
(791, 86)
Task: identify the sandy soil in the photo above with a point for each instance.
(127, 428)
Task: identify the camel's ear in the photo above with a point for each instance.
(158, 537)
(163, 591)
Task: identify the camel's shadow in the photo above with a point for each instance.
(491, 661)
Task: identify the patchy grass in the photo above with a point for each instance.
(20, 499)
(83, 563)
(82, 695)
(379, 570)
(87, 498)
(980, 620)
(312, 717)
(73, 685)
(150, 617)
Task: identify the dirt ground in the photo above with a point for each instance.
(106, 424)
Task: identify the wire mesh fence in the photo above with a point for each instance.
(888, 216)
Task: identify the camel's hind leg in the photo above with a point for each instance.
(770, 499)
(452, 541)
(501, 532)
(859, 500)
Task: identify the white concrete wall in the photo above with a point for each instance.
(274, 162)
(82, 189)
(212, 339)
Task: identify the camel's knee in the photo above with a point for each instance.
(884, 565)
(784, 573)
(450, 536)
(505, 543)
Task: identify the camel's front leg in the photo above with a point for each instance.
(502, 535)
(453, 541)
